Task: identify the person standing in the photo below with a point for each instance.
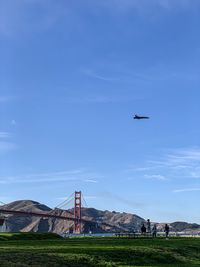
(154, 230)
(148, 226)
(166, 231)
(143, 229)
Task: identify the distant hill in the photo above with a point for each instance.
(34, 224)
(184, 226)
(107, 221)
(119, 221)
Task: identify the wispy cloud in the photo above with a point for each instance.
(195, 173)
(51, 177)
(93, 74)
(58, 173)
(131, 169)
(181, 158)
(91, 181)
(156, 177)
(5, 144)
(26, 179)
(183, 163)
(186, 190)
(5, 135)
(112, 73)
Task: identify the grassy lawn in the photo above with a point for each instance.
(28, 250)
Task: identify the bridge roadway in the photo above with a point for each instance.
(40, 214)
(47, 215)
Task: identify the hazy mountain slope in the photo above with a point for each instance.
(26, 205)
(18, 223)
(183, 226)
(123, 221)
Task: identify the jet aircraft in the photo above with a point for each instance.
(137, 117)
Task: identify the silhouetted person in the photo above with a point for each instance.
(154, 230)
(143, 229)
(148, 226)
(166, 230)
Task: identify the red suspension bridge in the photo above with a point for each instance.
(75, 215)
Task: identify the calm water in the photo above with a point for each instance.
(82, 235)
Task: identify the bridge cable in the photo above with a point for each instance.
(66, 200)
(86, 205)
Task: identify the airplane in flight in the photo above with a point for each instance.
(137, 117)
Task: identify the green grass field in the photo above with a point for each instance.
(48, 250)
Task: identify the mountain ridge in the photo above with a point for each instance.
(107, 221)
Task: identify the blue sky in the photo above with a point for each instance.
(72, 74)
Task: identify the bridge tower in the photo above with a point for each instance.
(77, 212)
